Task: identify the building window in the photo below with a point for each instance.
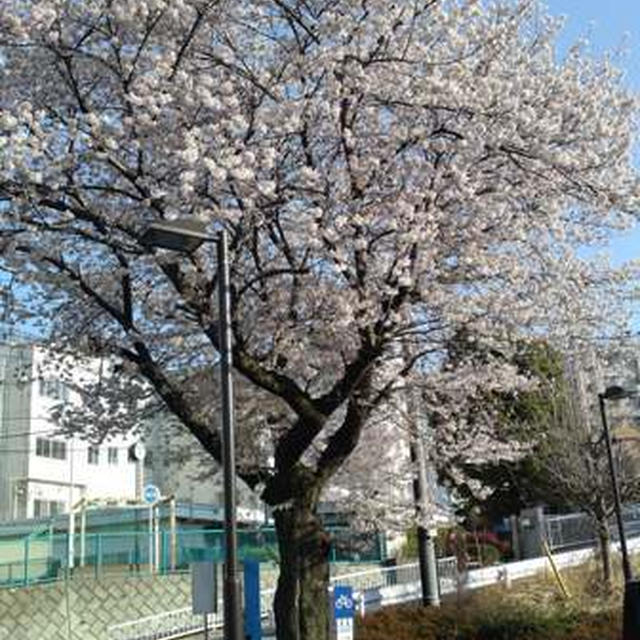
(58, 450)
(112, 454)
(39, 507)
(93, 454)
(43, 447)
(46, 448)
(56, 507)
(46, 508)
(54, 388)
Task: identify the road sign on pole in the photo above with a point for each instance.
(343, 612)
(204, 591)
(151, 494)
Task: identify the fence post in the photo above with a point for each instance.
(165, 553)
(96, 551)
(26, 561)
(176, 550)
(136, 550)
(172, 529)
(382, 546)
(98, 554)
(150, 540)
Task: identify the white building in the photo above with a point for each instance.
(41, 473)
(177, 464)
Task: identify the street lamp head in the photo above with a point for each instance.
(183, 234)
(615, 392)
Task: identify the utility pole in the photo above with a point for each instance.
(426, 548)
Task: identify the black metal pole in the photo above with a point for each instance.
(231, 590)
(426, 551)
(626, 567)
(631, 602)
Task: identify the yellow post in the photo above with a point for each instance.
(554, 568)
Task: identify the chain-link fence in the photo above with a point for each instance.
(575, 530)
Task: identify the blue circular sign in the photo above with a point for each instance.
(151, 494)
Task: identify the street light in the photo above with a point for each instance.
(187, 235)
(631, 616)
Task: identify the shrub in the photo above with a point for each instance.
(488, 621)
(533, 609)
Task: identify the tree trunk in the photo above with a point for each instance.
(286, 605)
(604, 540)
(301, 603)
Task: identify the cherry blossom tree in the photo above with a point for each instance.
(387, 173)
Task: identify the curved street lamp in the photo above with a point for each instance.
(186, 235)
(631, 615)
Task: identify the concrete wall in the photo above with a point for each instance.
(39, 612)
(83, 608)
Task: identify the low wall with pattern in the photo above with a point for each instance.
(82, 608)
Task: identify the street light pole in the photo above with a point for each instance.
(626, 567)
(631, 605)
(187, 235)
(231, 595)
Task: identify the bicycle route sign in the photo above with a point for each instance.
(343, 612)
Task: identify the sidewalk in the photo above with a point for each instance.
(215, 636)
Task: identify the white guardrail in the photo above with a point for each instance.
(374, 588)
(182, 623)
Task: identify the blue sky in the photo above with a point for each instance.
(608, 25)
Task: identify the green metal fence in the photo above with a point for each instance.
(46, 556)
